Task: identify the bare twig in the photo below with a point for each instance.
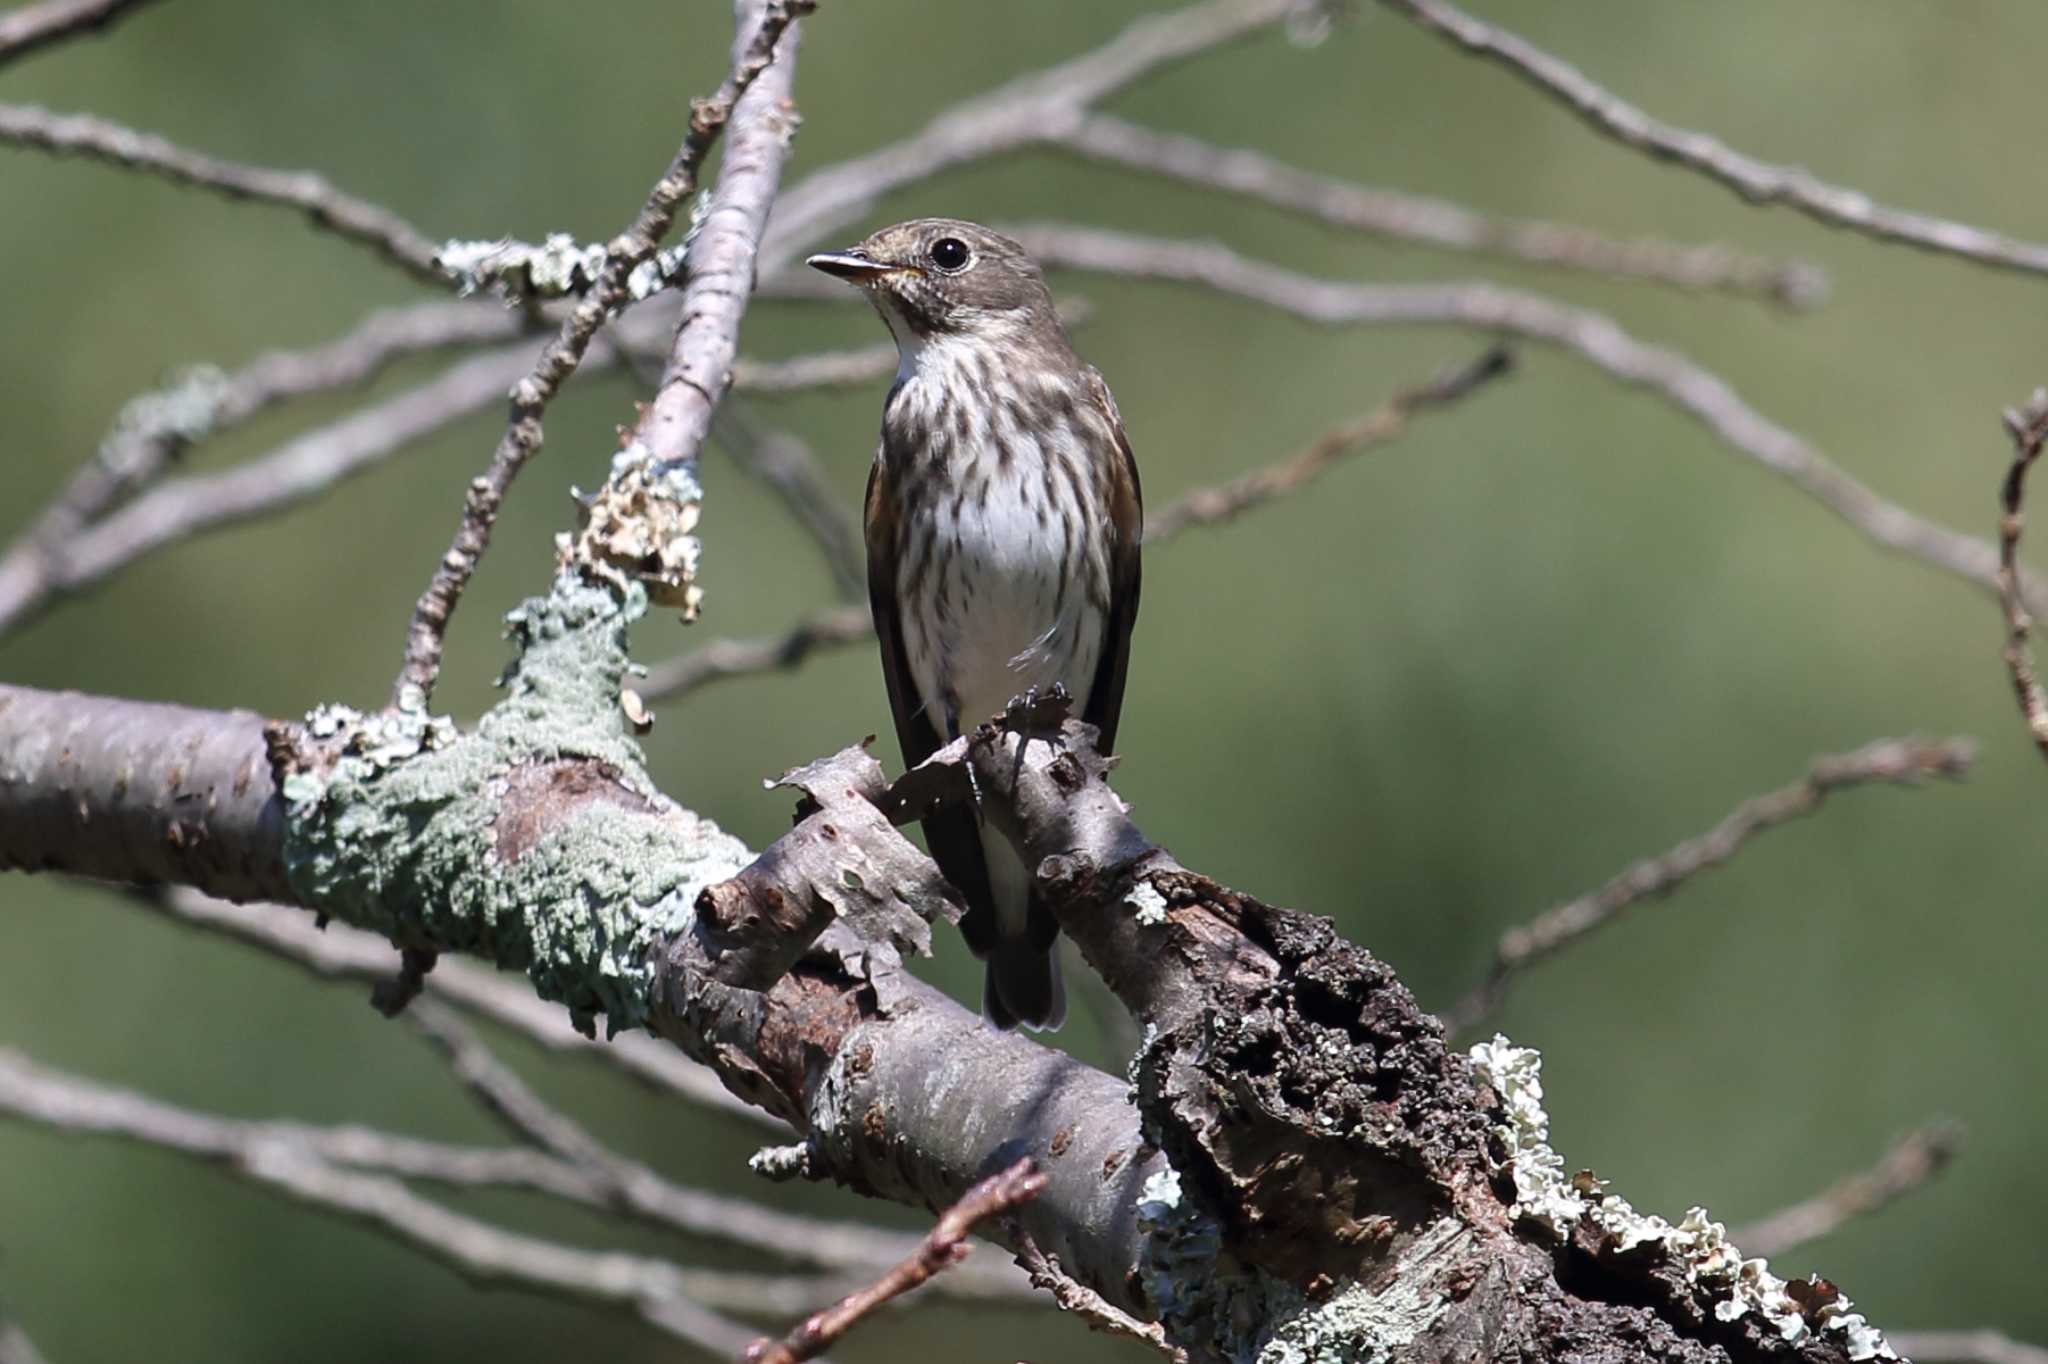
(158, 427)
(341, 952)
(1902, 762)
(1758, 182)
(28, 27)
(357, 220)
(1437, 222)
(1912, 1161)
(16, 1347)
(1091, 1307)
(1593, 337)
(786, 464)
(1020, 113)
(826, 369)
(831, 628)
(763, 27)
(659, 1291)
(944, 1247)
(1227, 501)
(1965, 1347)
(296, 472)
(2028, 427)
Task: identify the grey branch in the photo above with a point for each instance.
(1912, 1161)
(1758, 182)
(786, 464)
(2028, 428)
(1226, 502)
(295, 473)
(719, 267)
(1966, 1347)
(763, 24)
(1590, 336)
(1902, 762)
(16, 1347)
(29, 27)
(275, 1156)
(826, 369)
(832, 628)
(339, 952)
(1437, 222)
(1018, 114)
(356, 220)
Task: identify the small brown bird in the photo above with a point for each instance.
(1003, 520)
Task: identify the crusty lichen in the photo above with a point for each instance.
(1547, 1196)
(559, 266)
(400, 832)
(1219, 1308)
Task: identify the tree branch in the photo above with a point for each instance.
(763, 25)
(1758, 182)
(368, 225)
(945, 1247)
(1590, 336)
(26, 28)
(1438, 222)
(273, 1156)
(1967, 1347)
(1913, 1160)
(2028, 427)
(1902, 762)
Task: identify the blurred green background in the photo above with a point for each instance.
(1467, 677)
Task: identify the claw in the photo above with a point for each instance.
(1022, 717)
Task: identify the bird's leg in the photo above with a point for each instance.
(973, 782)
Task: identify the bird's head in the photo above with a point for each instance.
(942, 277)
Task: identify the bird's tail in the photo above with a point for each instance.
(1023, 986)
(1023, 981)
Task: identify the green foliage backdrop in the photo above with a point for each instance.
(1468, 676)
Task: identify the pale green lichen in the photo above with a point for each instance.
(1548, 1197)
(558, 267)
(400, 833)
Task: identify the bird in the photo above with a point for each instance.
(1002, 520)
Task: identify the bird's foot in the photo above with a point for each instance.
(1036, 715)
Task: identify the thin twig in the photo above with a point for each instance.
(1965, 1347)
(1912, 1161)
(1758, 182)
(826, 369)
(1438, 222)
(28, 27)
(344, 953)
(531, 396)
(1902, 762)
(713, 660)
(2028, 427)
(1593, 337)
(156, 428)
(297, 472)
(356, 220)
(1018, 114)
(607, 1179)
(785, 463)
(1227, 501)
(839, 626)
(658, 1290)
(944, 1247)
(1091, 1307)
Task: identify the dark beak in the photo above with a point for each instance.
(856, 265)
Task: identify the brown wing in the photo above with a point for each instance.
(1127, 525)
(951, 834)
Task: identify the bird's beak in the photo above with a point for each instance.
(856, 266)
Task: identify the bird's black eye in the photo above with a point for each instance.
(949, 253)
